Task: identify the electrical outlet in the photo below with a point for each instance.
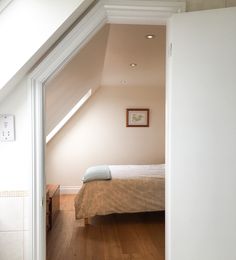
(7, 128)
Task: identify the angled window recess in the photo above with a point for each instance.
(59, 126)
(4, 4)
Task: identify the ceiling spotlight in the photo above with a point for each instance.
(133, 65)
(150, 36)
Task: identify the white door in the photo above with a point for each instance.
(201, 136)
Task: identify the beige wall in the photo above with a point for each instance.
(97, 134)
(195, 5)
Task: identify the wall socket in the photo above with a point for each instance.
(7, 128)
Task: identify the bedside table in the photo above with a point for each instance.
(53, 204)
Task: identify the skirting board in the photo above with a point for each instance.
(69, 189)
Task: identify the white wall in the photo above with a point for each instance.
(97, 134)
(202, 136)
(14, 156)
(28, 28)
(15, 181)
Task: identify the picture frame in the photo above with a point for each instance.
(137, 117)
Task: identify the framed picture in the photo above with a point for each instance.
(137, 117)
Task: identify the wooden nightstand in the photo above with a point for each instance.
(47, 211)
(53, 204)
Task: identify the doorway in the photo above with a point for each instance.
(101, 123)
(57, 59)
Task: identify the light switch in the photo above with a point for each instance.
(7, 128)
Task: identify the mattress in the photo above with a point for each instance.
(133, 188)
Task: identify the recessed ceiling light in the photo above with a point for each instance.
(123, 82)
(133, 65)
(150, 36)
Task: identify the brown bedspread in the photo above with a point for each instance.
(139, 194)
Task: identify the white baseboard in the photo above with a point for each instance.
(69, 189)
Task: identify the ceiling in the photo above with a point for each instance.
(105, 61)
(127, 44)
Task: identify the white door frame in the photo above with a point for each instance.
(113, 11)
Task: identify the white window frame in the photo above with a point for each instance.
(113, 11)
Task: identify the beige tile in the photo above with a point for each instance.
(11, 217)
(11, 245)
(27, 213)
(27, 245)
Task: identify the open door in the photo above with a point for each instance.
(201, 136)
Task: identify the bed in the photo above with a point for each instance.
(131, 188)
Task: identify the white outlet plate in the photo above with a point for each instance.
(7, 128)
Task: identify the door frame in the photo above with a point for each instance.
(117, 11)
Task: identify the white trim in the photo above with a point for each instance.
(101, 13)
(4, 4)
(142, 12)
(69, 189)
(36, 99)
(51, 65)
(70, 45)
(167, 150)
(68, 116)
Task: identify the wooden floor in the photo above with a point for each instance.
(114, 237)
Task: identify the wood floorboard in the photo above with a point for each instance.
(138, 236)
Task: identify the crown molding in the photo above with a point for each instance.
(142, 12)
(107, 11)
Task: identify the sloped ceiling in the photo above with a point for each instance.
(105, 61)
(28, 30)
(82, 73)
